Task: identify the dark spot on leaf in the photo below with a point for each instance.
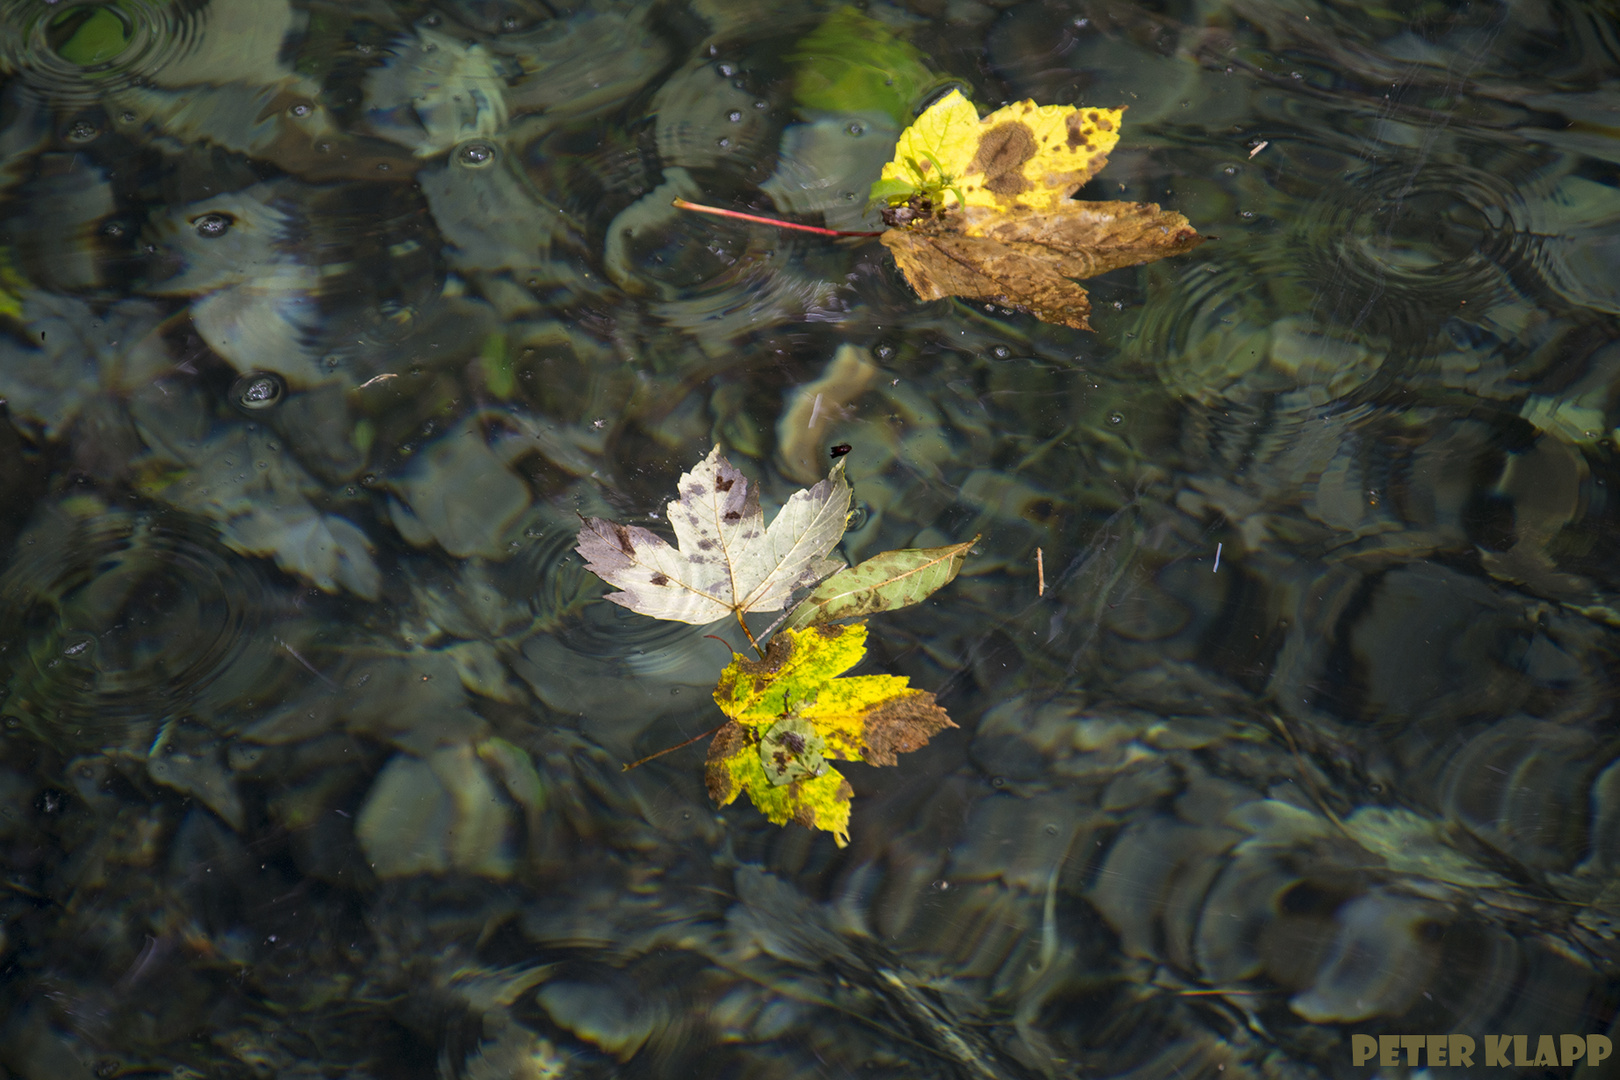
(1001, 156)
(1077, 136)
(841, 449)
(794, 742)
(776, 654)
(732, 515)
(622, 535)
(723, 484)
(1104, 123)
(705, 544)
(697, 491)
(660, 579)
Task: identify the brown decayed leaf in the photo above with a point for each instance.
(902, 726)
(1025, 260)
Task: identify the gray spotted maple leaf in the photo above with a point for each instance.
(727, 561)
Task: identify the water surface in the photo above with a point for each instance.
(324, 321)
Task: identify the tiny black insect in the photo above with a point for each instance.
(841, 449)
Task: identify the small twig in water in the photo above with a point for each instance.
(722, 641)
(309, 667)
(682, 204)
(1040, 573)
(677, 746)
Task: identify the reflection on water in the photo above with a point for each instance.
(324, 322)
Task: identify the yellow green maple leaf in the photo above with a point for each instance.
(818, 802)
(791, 707)
(1024, 157)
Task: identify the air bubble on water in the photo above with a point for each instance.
(1001, 352)
(475, 155)
(735, 116)
(300, 110)
(82, 131)
(210, 226)
(722, 143)
(1247, 214)
(1116, 418)
(856, 128)
(258, 390)
(726, 70)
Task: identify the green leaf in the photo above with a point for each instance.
(892, 190)
(852, 63)
(100, 36)
(894, 579)
(497, 364)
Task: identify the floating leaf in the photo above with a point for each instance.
(894, 579)
(981, 208)
(790, 710)
(821, 802)
(1027, 261)
(728, 561)
(791, 750)
(1024, 156)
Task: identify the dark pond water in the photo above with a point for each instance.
(323, 320)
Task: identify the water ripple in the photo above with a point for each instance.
(76, 53)
(115, 618)
(1401, 247)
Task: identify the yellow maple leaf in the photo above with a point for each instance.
(981, 209)
(1021, 157)
(790, 710)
